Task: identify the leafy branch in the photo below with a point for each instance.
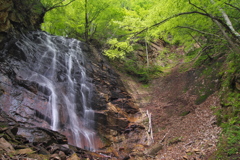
(57, 5)
(219, 21)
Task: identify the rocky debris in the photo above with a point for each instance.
(51, 145)
(5, 146)
(184, 129)
(37, 134)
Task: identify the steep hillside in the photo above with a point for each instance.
(181, 104)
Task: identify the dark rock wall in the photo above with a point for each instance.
(26, 102)
(21, 99)
(17, 16)
(112, 103)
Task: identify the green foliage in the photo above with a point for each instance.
(202, 98)
(118, 49)
(228, 116)
(143, 73)
(70, 20)
(120, 24)
(229, 145)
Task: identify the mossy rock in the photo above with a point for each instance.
(202, 98)
(23, 151)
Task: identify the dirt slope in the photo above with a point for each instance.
(184, 126)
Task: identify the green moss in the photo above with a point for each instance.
(229, 145)
(202, 98)
(3, 126)
(105, 141)
(39, 156)
(175, 140)
(184, 113)
(143, 73)
(228, 115)
(185, 90)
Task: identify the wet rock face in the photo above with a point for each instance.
(27, 101)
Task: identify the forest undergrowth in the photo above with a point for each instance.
(203, 91)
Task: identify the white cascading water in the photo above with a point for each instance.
(58, 68)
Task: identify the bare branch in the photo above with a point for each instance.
(98, 12)
(169, 18)
(57, 5)
(164, 137)
(189, 1)
(233, 6)
(215, 19)
(163, 21)
(194, 29)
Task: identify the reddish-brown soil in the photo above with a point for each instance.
(181, 129)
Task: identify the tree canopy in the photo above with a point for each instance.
(120, 24)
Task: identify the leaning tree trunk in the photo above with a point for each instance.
(227, 20)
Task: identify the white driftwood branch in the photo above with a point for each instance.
(150, 131)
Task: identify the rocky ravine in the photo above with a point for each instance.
(184, 125)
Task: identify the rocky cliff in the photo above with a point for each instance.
(19, 16)
(24, 102)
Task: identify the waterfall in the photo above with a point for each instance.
(57, 66)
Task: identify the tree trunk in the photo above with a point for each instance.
(146, 45)
(233, 45)
(86, 22)
(227, 20)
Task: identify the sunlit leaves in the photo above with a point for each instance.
(70, 20)
(118, 49)
(117, 21)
